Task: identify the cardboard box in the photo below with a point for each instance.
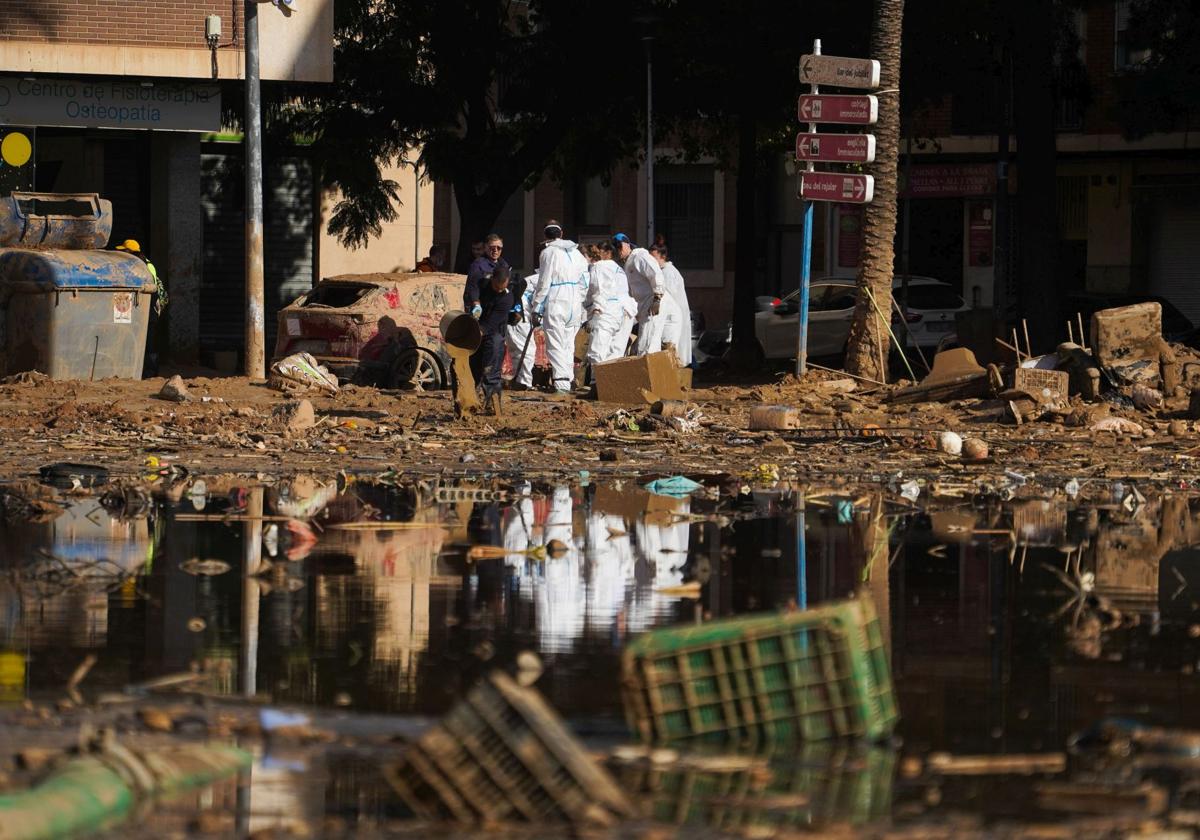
(639, 379)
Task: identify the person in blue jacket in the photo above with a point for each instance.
(493, 248)
(497, 305)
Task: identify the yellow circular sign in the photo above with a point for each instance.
(16, 149)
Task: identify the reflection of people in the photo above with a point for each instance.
(561, 596)
(662, 544)
(436, 261)
(150, 366)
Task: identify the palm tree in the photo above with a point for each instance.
(867, 349)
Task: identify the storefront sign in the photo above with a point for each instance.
(166, 106)
(956, 180)
(979, 234)
(849, 235)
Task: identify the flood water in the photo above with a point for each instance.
(1011, 625)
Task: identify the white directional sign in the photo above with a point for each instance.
(834, 186)
(836, 148)
(838, 71)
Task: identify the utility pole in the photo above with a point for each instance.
(255, 352)
(648, 41)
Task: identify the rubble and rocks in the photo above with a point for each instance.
(295, 416)
(175, 390)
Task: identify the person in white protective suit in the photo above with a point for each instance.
(557, 299)
(673, 280)
(519, 339)
(658, 314)
(610, 308)
(560, 596)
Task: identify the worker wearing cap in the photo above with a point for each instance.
(658, 314)
(150, 366)
(558, 302)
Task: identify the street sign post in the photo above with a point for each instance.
(842, 110)
(837, 186)
(840, 72)
(836, 148)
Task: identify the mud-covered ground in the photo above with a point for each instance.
(232, 426)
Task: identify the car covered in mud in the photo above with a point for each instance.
(374, 329)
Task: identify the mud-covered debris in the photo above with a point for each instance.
(1020, 764)
(295, 416)
(774, 417)
(1117, 425)
(70, 476)
(175, 390)
(951, 443)
(1177, 428)
(300, 371)
(156, 720)
(974, 449)
(1146, 798)
(1125, 341)
(529, 668)
(36, 759)
(1146, 398)
(207, 568)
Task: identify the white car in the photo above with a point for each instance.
(931, 308)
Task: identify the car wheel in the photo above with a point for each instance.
(417, 366)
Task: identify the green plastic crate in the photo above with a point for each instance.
(503, 755)
(797, 676)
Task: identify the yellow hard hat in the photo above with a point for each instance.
(130, 245)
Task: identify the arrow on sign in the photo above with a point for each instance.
(836, 148)
(845, 110)
(833, 186)
(842, 72)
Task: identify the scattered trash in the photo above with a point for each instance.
(683, 590)
(678, 486)
(774, 417)
(974, 449)
(1071, 488)
(69, 476)
(956, 375)
(816, 674)
(1146, 398)
(638, 379)
(300, 371)
(945, 764)
(207, 568)
(503, 755)
(175, 390)
(1177, 428)
(1125, 341)
(295, 415)
(911, 489)
(950, 443)
(276, 720)
(1117, 425)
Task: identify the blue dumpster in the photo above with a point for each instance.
(68, 309)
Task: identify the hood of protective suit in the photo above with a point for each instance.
(564, 244)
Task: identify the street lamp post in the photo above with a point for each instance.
(647, 42)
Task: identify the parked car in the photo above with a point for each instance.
(932, 305)
(376, 329)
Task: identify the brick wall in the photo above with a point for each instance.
(148, 23)
(1101, 42)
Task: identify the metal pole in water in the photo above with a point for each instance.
(806, 256)
(801, 557)
(255, 352)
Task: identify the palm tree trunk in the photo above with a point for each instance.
(867, 348)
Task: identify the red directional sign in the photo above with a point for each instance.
(834, 186)
(836, 148)
(844, 110)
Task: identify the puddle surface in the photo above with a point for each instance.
(1011, 625)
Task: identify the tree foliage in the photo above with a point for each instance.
(486, 95)
(1160, 89)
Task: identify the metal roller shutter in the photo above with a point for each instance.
(1174, 254)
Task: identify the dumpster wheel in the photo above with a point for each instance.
(417, 366)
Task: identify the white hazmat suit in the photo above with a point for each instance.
(517, 336)
(611, 312)
(562, 280)
(645, 282)
(673, 280)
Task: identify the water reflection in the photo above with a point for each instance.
(1010, 624)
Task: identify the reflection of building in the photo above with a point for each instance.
(66, 568)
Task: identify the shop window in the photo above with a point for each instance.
(684, 213)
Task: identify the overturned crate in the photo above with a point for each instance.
(503, 755)
(802, 676)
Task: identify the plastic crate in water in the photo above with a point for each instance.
(798, 676)
(503, 755)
